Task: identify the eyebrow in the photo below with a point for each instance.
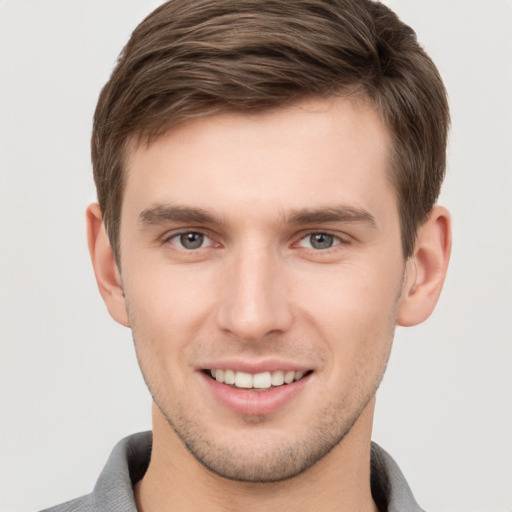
(334, 214)
(159, 214)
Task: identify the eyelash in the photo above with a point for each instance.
(337, 240)
(168, 239)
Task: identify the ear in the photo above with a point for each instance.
(426, 269)
(105, 267)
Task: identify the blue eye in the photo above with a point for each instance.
(319, 241)
(190, 240)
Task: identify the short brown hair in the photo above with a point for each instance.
(192, 58)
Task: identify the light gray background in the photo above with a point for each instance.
(70, 386)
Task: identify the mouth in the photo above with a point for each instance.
(258, 381)
(265, 390)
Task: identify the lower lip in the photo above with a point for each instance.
(255, 402)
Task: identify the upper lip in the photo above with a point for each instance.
(253, 367)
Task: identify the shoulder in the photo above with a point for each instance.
(390, 490)
(114, 488)
(82, 504)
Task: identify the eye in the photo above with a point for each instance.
(190, 240)
(319, 241)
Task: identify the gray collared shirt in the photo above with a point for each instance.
(129, 460)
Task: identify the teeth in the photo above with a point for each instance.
(289, 376)
(243, 380)
(262, 380)
(277, 378)
(229, 377)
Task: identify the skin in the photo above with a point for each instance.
(256, 190)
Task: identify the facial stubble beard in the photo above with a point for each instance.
(287, 461)
(283, 463)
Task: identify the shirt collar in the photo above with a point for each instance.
(130, 459)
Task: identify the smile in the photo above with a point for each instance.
(256, 393)
(263, 380)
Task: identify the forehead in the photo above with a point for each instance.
(333, 150)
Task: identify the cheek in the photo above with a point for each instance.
(354, 309)
(169, 308)
(164, 296)
(348, 293)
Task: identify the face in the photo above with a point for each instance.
(262, 272)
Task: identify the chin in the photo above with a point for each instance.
(265, 458)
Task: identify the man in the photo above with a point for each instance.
(267, 174)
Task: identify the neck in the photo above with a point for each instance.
(176, 481)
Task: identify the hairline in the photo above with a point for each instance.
(147, 136)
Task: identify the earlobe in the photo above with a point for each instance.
(105, 267)
(426, 269)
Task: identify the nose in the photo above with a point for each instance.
(254, 300)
